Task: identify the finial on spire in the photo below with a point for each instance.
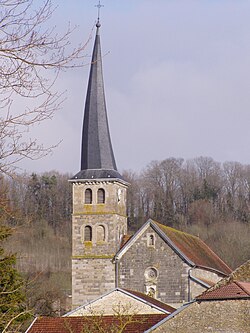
(99, 6)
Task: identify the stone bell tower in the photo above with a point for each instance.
(99, 197)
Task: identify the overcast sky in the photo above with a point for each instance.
(177, 82)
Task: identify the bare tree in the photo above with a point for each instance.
(121, 318)
(31, 55)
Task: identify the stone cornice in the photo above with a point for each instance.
(99, 213)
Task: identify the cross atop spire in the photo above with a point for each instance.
(99, 6)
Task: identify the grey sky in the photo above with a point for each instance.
(177, 82)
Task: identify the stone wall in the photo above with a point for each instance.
(114, 226)
(230, 316)
(93, 272)
(154, 269)
(207, 276)
(91, 277)
(115, 197)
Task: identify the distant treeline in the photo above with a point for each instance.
(197, 191)
(41, 216)
(201, 196)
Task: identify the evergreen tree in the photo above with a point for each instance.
(12, 296)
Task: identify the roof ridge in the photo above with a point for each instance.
(176, 230)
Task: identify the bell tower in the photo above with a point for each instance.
(99, 196)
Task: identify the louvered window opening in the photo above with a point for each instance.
(151, 240)
(88, 196)
(87, 234)
(101, 196)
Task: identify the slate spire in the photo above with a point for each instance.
(97, 152)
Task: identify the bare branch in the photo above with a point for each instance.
(32, 55)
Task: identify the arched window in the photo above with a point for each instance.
(151, 240)
(88, 196)
(100, 231)
(151, 292)
(87, 234)
(150, 282)
(100, 196)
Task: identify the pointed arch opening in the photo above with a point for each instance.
(100, 196)
(88, 196)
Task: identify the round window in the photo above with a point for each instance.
(151, 273)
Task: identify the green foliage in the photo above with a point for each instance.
(12, 297)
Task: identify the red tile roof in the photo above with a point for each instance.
(134, 324)
(194, 249)
(152, 300)
(233, 290)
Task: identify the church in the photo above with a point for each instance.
(164, 263)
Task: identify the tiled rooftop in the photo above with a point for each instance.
(134, 324)
(233, 290)
(195, 249)
(240, 274)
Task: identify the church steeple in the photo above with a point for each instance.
(97, 152)
(99, 216)
(97, 157)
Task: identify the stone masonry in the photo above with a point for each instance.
(93, 272)
(156, 268)
(229, 316)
